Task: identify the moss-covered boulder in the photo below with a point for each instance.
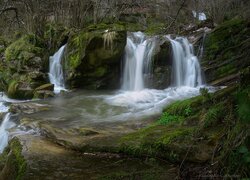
(226, 52)
(19, 90)
(43, 94)
(24, 49)
(22, 68)
(48, 87)
(93, 57)
(14, 163)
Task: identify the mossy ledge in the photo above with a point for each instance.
(226, 52)
(15, 164)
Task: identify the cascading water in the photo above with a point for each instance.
(138, 54)
(56, 70)
(186, 68)
(4, 134)
(138, 62)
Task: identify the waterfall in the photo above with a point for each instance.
(201, 47)
(138, 54)
(6, 124)
(56, 70)
(186, 68)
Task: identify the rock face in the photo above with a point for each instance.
(22, 70)
(226, 52)
(93, 57)
(161, 75)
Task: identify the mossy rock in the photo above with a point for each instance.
(17, 90)
(93, 56)
(23, 69)
(24, 48)
(226, 50)
(55, 35)
(48, 87)
(43, 94)
(15, 164)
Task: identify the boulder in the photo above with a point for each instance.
(22, 70)
(19, 90)
(47, 87)
(93, 57)
(43, 94)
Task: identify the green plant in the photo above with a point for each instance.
(188, 111)
(205, 94)
(167, 118)
(239, 161)
(243, 105)
(213, 115)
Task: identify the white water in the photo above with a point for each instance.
(186, 69)
(138, 54)
(200, 16)
(4, 134)
(186, 74)
(56, 70)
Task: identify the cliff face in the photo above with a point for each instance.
(226, 52)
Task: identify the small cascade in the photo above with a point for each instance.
(201, 47)
(186, 68)
(138, 55)
(56, 70)
(6, 124)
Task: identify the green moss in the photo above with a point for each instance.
(225, 49)
(167, 118)
(156, 140)
(213, 115)
(55, 35)
(16, 92)
(12, 89)
(155, 28)
(21, 165)
(243, 105)
(186, 107)
(24, 48)
(78, 45)
(99, 72)
(118, 26)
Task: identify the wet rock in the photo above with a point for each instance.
(28, 108)
(43, 94)
(23, 68)
(48, 87)
(20, 90)
(161, 67)
(225, 52)
(33, 157)
(14, 162)
(93, 57)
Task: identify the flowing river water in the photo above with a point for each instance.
(110, 109)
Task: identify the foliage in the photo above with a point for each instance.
(213, 115)
(167, 118)
(243, 107)
(24, 48)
